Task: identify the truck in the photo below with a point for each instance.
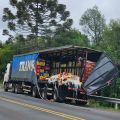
(68, 73)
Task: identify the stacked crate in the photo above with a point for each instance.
(42, 69)
(89, 66)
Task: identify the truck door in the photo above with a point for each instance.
(7, 73)
(104, 72)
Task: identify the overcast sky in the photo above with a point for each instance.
(109, 8)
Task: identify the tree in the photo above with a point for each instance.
(29, 44)
(1, 44)
(110, 44)
(38, 17)
(93, 23)
(72, 36)
(6, 53)
(111, 39)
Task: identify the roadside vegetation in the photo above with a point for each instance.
(103, 105)
(51, 26)
(0, 84)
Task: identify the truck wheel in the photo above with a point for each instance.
(34, 91)
(6, 87)
(55, 95)
(16, 89)
(13, 88)
(44, 94)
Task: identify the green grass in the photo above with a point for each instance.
(1, 82)
(103, 105)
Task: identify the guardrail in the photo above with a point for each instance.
(116, 101)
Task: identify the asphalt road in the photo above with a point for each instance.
(23, 107)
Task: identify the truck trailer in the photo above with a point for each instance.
(67, 73)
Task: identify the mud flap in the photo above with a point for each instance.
(104, 73)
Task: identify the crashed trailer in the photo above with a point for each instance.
(63, 73)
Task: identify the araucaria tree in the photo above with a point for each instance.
(37, 17)
(93, 23)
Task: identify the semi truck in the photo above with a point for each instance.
(67, 73)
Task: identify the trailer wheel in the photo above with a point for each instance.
(34, 91)
(13, 88)
(55, 95)
(16, 89)
(6, 87)
(44, 93)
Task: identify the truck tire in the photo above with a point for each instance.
(55, 95)
(16, 89)
(13, 88)
(44, 93)
(6, 87)
(34, 91)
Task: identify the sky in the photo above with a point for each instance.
(109, 8)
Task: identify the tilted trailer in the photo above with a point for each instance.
(67, 73)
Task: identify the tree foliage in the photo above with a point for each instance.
(1, 44)
(111, 39)
(70, 37)
(93, 23)
(29, 44)
(110, 44)
(38, 17)
(6, 53)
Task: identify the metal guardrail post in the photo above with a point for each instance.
(116, 106)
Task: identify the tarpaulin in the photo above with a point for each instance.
(23, 67)
(104, 72)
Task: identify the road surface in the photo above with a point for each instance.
(23, 107)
